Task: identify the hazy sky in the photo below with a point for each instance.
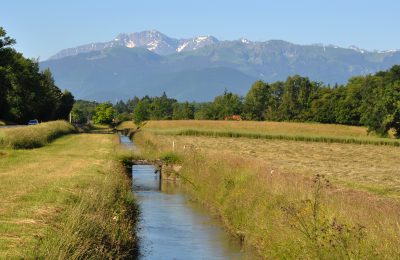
(43, 27)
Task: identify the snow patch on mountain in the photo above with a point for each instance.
(182, 47)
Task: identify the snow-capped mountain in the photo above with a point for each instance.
(152, 40)
(149, 62)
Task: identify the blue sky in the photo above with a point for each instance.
(43, 27)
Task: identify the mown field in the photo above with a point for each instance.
(309, 132)
(70, 199)
(266, 191)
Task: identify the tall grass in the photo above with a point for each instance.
(35, 136)
(100, 224)
(255, 135)
(286, 215)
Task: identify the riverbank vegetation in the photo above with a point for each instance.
(291, 199)
(71, 199)
(34, 136)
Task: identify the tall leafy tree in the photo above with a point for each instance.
(297, 97)
(104, 114)
(183, 111)
(256, 101)
(25, 92)
(141, 112)
(227, 104)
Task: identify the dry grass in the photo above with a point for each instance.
(283, 128)
(60, 201)
(308, 132)
(374, 168)
(262, 190)
(35, 136)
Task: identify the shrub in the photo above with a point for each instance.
(170, 158)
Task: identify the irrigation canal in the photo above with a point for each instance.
(173, 227)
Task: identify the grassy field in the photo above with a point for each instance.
(369, 167)
(34, 136)
(265, 190)
(310, 129)
(68, 200)
(309, 132)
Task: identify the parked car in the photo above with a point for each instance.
(33, 122)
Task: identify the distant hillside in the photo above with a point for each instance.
(150, 62)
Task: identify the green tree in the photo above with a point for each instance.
(78, 116)
(66, 103)
(141, 112)
(256, 101)
(104, 114)
(5, 70)
(227, 104)
(121, 107)
(381, 111)
(25, 92)
(161, 107)
(183, 111)
(274, 101)
(297, 96)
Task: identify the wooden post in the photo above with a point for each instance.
(173, 146)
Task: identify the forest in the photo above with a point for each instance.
(25, 91)
(372, 101)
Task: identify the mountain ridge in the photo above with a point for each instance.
(200, 68)
(162, 44)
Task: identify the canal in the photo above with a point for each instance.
(174, 227)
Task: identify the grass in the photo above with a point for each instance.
(68, 200)
(125, 125)
(34, 136)
(2, 123)
(367, 167)
(266, 193)
(273, 128)
(307, 132)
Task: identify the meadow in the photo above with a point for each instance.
(291, 198)
(70, 199)
(308, 132)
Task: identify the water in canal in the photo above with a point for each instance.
(173, 227)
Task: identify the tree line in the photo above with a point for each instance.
(372, 101)
(26, 92)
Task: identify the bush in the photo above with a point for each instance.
(170, 158)
(36, 136)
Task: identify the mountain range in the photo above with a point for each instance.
(199, 68)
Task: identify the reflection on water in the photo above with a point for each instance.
(172, 227)
(127, 142)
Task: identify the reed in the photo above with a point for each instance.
(35, 136)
